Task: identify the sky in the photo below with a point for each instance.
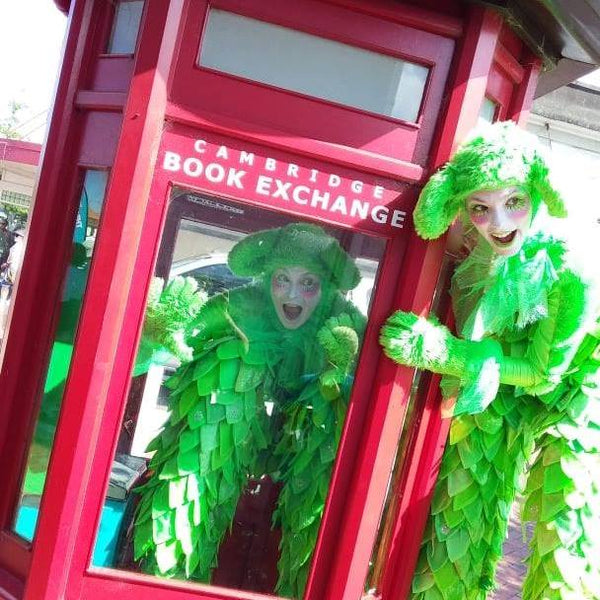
(30, 49)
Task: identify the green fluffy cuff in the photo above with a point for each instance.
(423, 343)
(426, 344)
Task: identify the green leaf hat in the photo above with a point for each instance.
(300, 244)
(499, 156)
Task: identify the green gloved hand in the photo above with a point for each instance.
(423, 343)
(427, 344)
(170, 313)
(340, 341)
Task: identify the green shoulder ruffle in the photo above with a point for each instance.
(493, 295)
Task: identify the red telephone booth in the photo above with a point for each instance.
(179, 128)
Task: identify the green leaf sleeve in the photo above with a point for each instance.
(554, 340)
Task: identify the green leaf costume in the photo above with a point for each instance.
(257, 398)
(170, 311)
(525, 372)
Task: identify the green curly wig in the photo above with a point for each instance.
(295, 244)
(501, 155)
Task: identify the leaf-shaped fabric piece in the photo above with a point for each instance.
(457, 544)
(209, 382)
(460, 428)
(546, 540)
(228, 372)
(167, 555)
(226, 406)
(458, 481)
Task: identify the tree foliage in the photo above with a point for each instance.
(9, 126)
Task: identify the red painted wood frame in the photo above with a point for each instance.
(37, 295)
(76, 139)
(350, 136)
(508, 77)
(513, 77)
(126, 248)
(94, 583)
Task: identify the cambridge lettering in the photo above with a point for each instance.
(283, 183)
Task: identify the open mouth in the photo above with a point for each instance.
(291, 311)
(504, 240)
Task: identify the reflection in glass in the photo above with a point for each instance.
(84, 236)
(258, 341)
(12, 248)
(13, 241)
(312, 65)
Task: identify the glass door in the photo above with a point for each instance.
(244, 372)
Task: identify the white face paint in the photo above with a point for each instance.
(296, 293)
(502, 217)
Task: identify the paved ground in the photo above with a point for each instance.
(511, 570)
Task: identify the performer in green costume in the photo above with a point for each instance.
(286, 343)
(525, 375)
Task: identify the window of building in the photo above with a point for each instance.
(15, 198)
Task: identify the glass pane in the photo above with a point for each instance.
(84, 236)
(312, 65)
(126, 25)
(487, 113)
(13, 240)
(238, 399)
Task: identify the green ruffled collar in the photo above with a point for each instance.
(292, 354)
(493, 295)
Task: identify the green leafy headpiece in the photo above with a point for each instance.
(501, 155)
(295, 244)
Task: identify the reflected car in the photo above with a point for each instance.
(211, 271)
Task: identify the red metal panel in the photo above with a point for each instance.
(470, 81)
(59, 558)
(112, 73)
(10, 587)
(251, 104)
(430, 431)
(508, 63)
(101, 101)
(281, 181)
(319, 149)
(15, 554)
(126, 248)
(63, 5)
(440, 19)
(101, 584)
(500, 89)
(511, 42)
(523, 98)
(99, 140)
(28, 344)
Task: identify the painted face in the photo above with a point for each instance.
(296, 293)
(502, 217)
